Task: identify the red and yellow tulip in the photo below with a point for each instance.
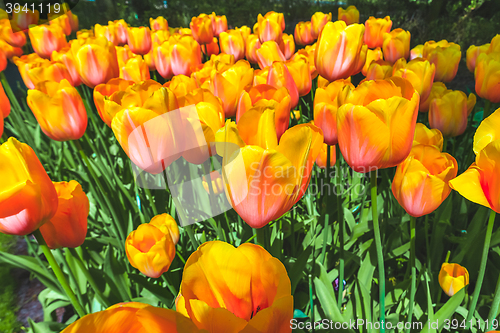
(202, 28)
(268, 53)
(419, 72)
(445, 56)
(318, 22)
(232, 42)
(159, 23)
(270, 26)
(167, 225)
(375, 29)
(487, 75)
(303, 34)
(102, 94)
(47, 38)
(396, 45)
(139, 40)
(349, 15)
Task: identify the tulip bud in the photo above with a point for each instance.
(107, 31)
(279, 76)
(16, 39)
(139, 40)
(487, 78)
(47, 38)
(318, 22)
(349, 15)
(396, 45)
(372, 55)
(452, 278)
(429, 137)
(417, 52)
(270, 27)
(287, 46)
(375, 29)
(219, 24)
(65, 56)
(135, 70)
(202, 28)
(379, 70)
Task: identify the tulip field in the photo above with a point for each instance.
(212, 178)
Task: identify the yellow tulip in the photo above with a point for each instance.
(139, 40)
(419, 72)
(396, 45)
(349, 15)
(445, 56)
(452, 278)
(472, 53)
(375, 29)
(167, 225)
(487, 76)
(429, 137)
(47, 38)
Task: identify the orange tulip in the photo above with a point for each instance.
(279, 76)
(16, 39)
(135, 70)
(396, 45)
(159, 23)
(219, 63)
(472, 53)
(217, 184)
(245, 32)
(338, 49)
(257, 298)
(419, 72)
(270, 26)
(323, 156)
(167, 225)
(68, 227)
(219, 24)
(368, 136)
(487, 132)
(83, 34)
(318, 22)
(428, 137)
(452, 278)
(47, 38)
(308, 52)
(325, 109)
(303, 34)
(372, 55)
(438, 89)
(420, 184)
(95, 61)
(107, 31)
(62, 21)
(28, 198)
(177, 56)
(3, 61)
(300, 71)
(260, 76)
(202, 28)
(181, 85)
(287, 45)
(349, 15)
(59, 110)
(53, 71)
(379, 70)
(487, 75)
(445, 56)
(495, 44)
(139, 40)
(27, 62)
(375, 29)
(24, 18)
(4, 108)
(65, 56)
(358, 67)
(449, 113)
(232, 42)
(103, 91)
(268, 53)
(10, 51)
(417, 52)
(121, 31)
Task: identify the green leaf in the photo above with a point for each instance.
(46, 326)
(446, 311)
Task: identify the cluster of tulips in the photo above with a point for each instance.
(247, 88)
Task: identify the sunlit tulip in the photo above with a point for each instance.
(349, 15)
(68, 227)
(325, 109)
(52, 71)
(181, 85)
(487, 75)
(245, 32)
(159, 23)
(358, 67)
(65, 56)
(258, 299)
(59, 110)
(232, 42)
(183, 54)
(133, 317)
(420, 184)
(449, 113)
(159, 36)
(107, 31)
(372, 55)
(16, 39)
(251, 47)
(103, 91)
(149, 60)
(219, 63)
(62, 21)
(121, 31)
(445, 56)
(260, 76)
(135, 70)
(83, 34)
(452, 278)
(376, 123)
(139, 40)
(303, 34)
(417, 52)
(299, 68)
(323, 157)
(24, 18)
(438, 89)
(47, 38)
(337, 50)
(279, 76)
(419, 72)
(150, 250)
(396, 45)
(488, 131)
(379, 70)
(308, 52)
(318, 22)
(270, 27)
(167, 225)
(95, 61)
(27, 62)
(287, 45)
(123, 54)
(375, 29)
(268, 53)
(216, 183)
(472, 53)
(4, 108)
(28, 198)
(429, 137)
(202, 28)
(219, 24)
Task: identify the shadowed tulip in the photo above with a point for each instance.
(251, 47)
(139, 40)
(396, 45)
(202, 28)
(103, 91)
(279, 76)
(419, 72)
(429, 137)
(375, 29)
(318, 22)
(159, 23)
(59, 110)
(16, 39)
(349, 15)
(323, 155)
(445, 56)
(487, 76)
(303, 34)
(167, 225)
(438, 89)
(372, 55)
(28, 198)
(268, 53)
(270, 26)
(452, 278)
(379, 70)
(68, 227)
(472, 53)
(47, 38)
(24, 18)
(232, 42)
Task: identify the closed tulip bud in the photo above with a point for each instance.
(219, 24)
(45, 39)
(107, 31)
(396, 45)
(299, 68)
(252, 45)
(318, 22)
(268, 53)
(449, 113)
(368, 136)
(4, 108)
(270, 27)
(121, 31)
(16, 39)
(139, 40)
(279, 76)
(159, 23)
(24, 18)
(217, 184)
(372, 55)
(59, 110)
(68, 227)
(349, 15)
(303, 34)
(150, 250)
(65, 56)
(323, 157)
(95, 61)
(472, 53)
(103, 91)
(325, 109)
(487, 77)
(202, 28)
(52, 71)
(287, 46)
(245, 32)
(338, 49)
(28, 198)
(375, 29)
(167, 225)
(232, 42)
(419, 72)
(417, 52)
(420, 184)
(379, 70)
(185, 55)
(452, 278)
(438, 89)
(445, 56)
(428, 137)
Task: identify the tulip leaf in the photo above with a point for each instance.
(46, 326)
(446, 311)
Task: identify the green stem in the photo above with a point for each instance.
(427, 245)
(341, 221)
(413, 270)
(58, 273)
(445, 141)
(311, 303)
(482, 268)
(494, 306)
(487, 109)
(378, 245)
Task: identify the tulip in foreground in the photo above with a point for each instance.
(452, 278)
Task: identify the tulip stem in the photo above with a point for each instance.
(413, 270)
(494, 306)
(378, 246)
(445, 141)
(482, 268)
(487, 109)
(341, 221)
(58, 273)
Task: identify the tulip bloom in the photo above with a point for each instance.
(68, 227)
(102, 93)
(59, 110)
(349, 15)
(121, 31)
(108, 32)
(181, 85)
(258, 300)
(308, 52)
(450, 112)
(445, 56)
(473, 53)
(62, 21)
(24, 18)
(219, 24)
(429, 137)
(318, 22)
(396, 45)
(375, 29)
(366, 123)
(487, 75)
(177, 56)
(47, 38)
(268, 53)
(167, 225)
(279, 76)
(379, 70)
(420, 184)
(452, 278)
(232, 42)
(25, 63)
(202, 28)
(487, 132)
(135, 70)
(419, 72)
(270, 26)
(438, 89)
(159, 23)
(417, 52)
(4, 108)
(372, 55)
(51, 71)
(95, 61)
(298, 66)
(287, 45)
(338, 49)
(323, 156)
(65, 56)
(251, 47)
(28, 198)
(139, 40)
(16, 39)
(303, 34)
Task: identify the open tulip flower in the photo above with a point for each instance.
(303, 34)
(318, 22)
(372, 55)
(349, 15)
(419, 72)
(139, 40)
(487, 75)
(257, 297)
(452, 278)
(445, 56)
(59, 110)
(396, 45)
(47, 38)
(28, 198)
(429, 137)
(232, 42)
(368, 136)
(375, 29)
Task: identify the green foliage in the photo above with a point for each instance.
(8, 319)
